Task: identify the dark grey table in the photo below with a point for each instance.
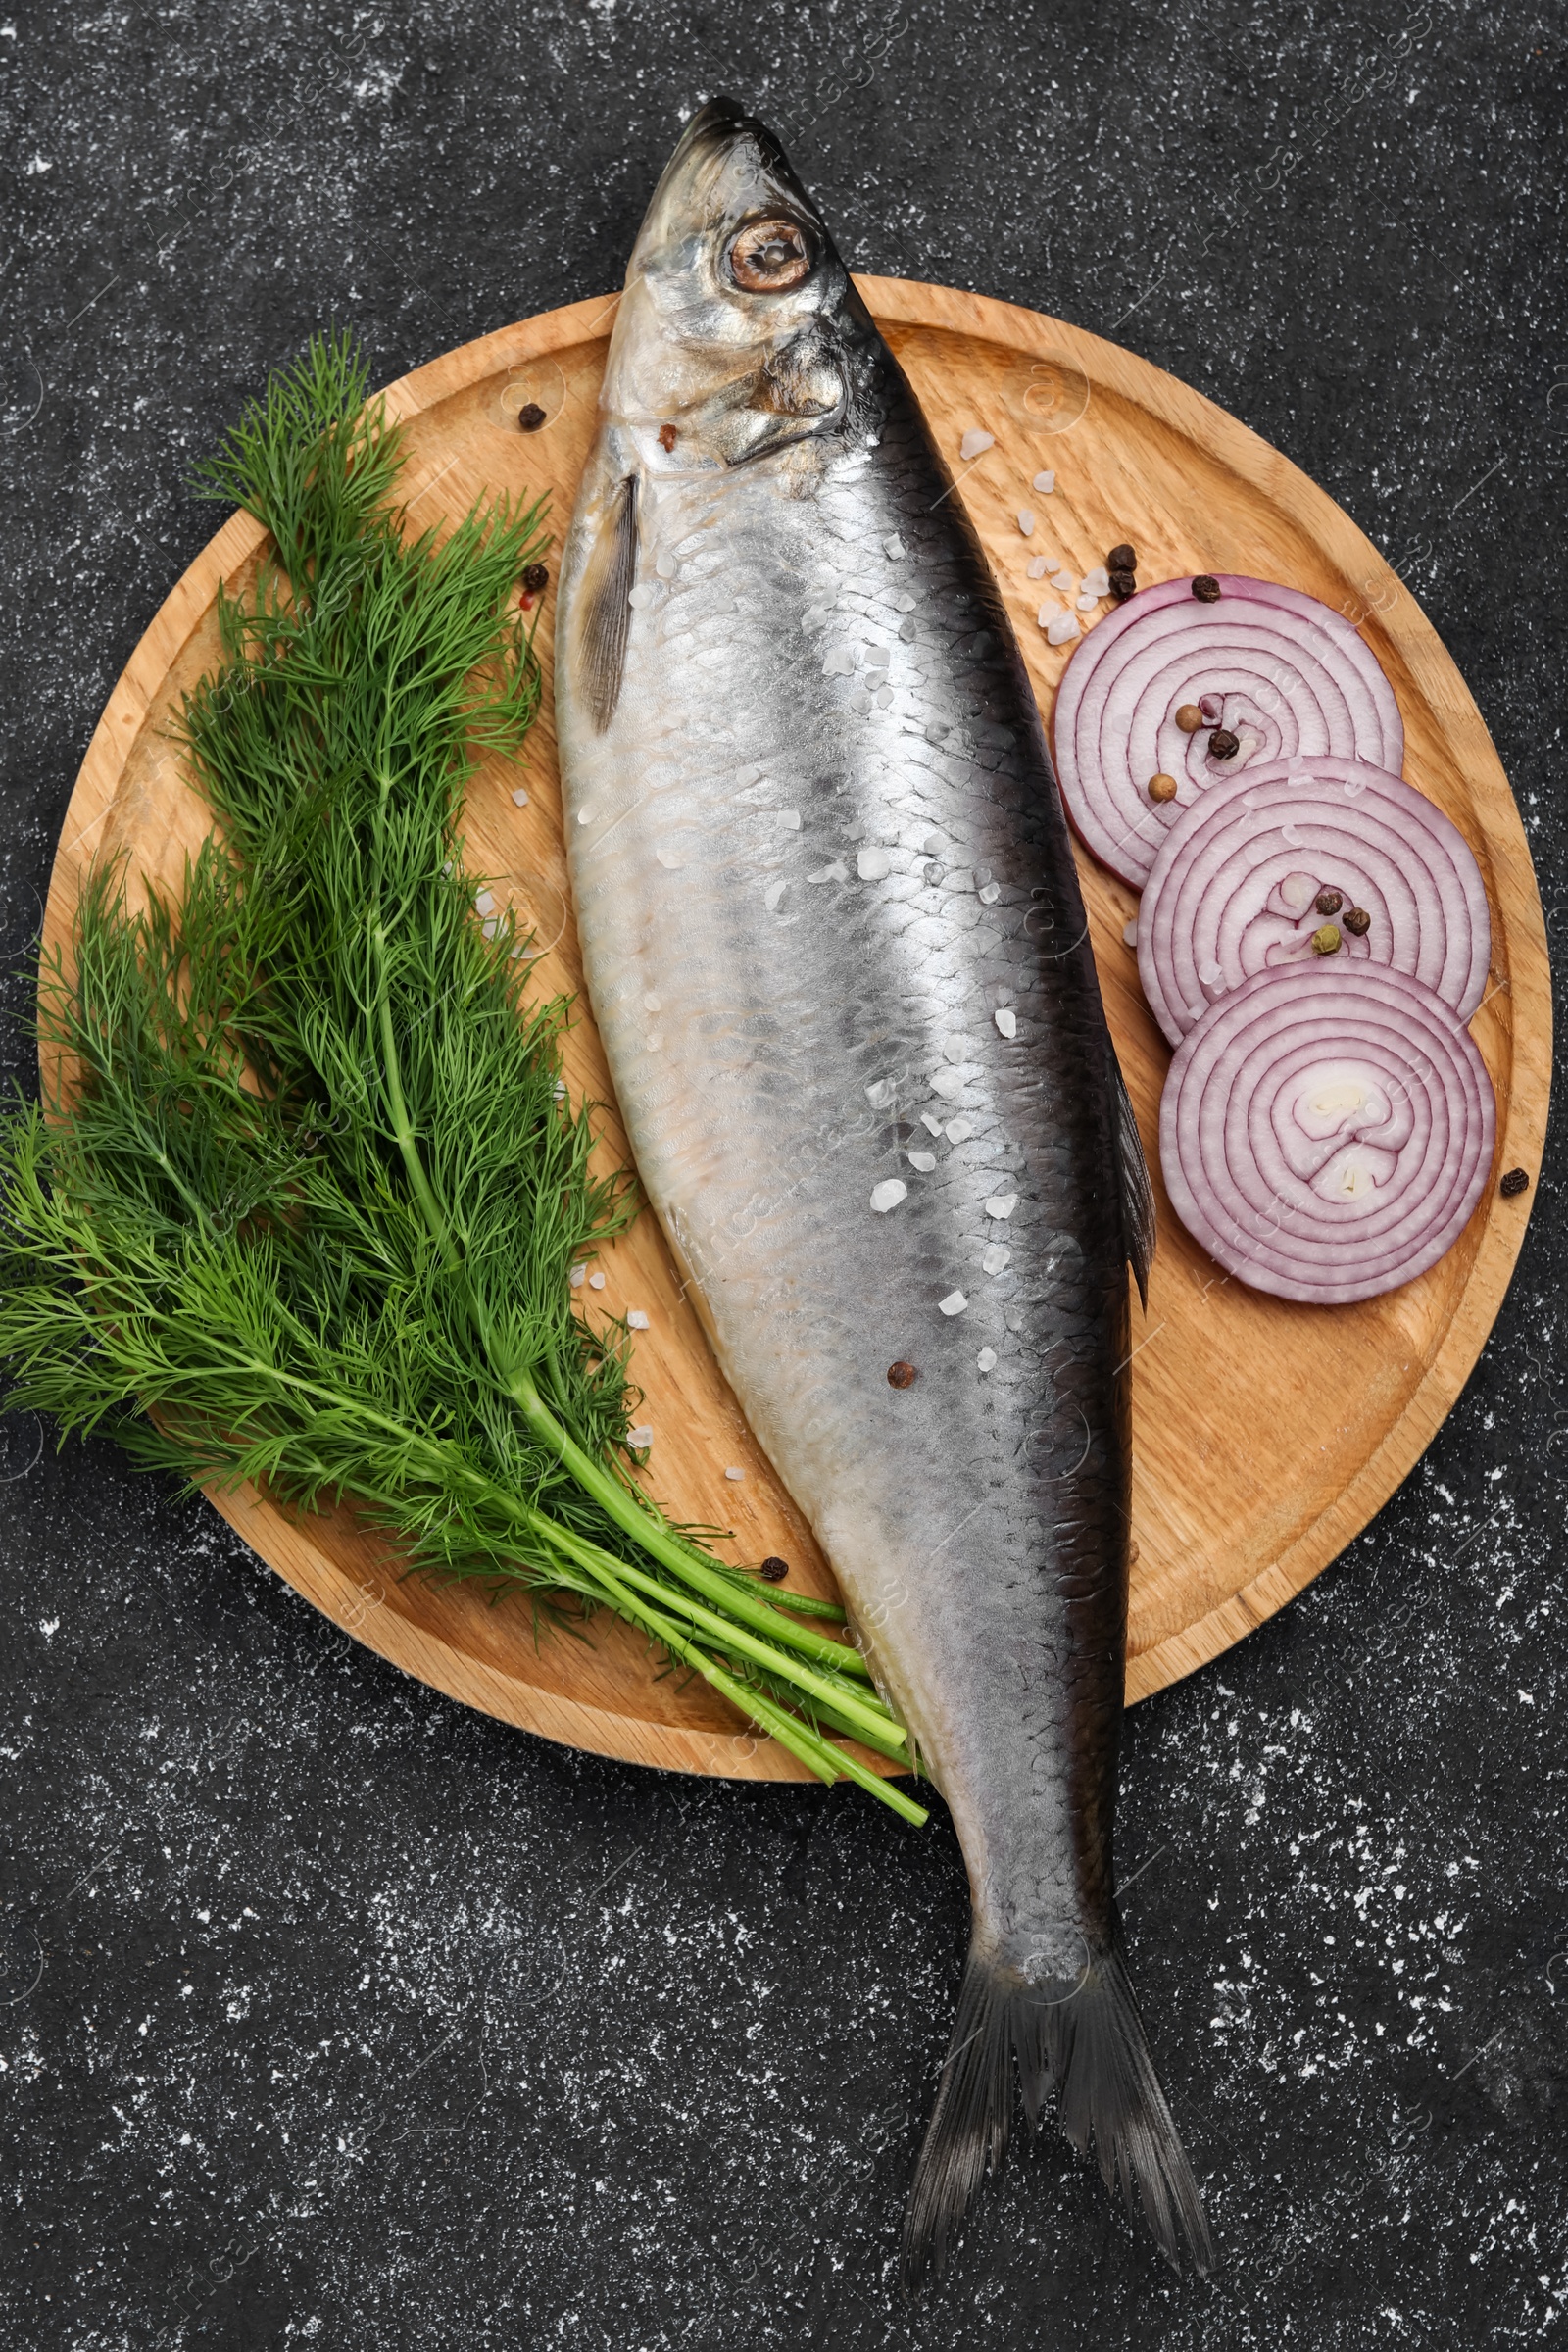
(336, 2015)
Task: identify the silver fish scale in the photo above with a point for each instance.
(774, 1050)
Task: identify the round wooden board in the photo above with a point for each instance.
(1266, 1435)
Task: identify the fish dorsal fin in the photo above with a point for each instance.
(1137, 1191)
(603, 615)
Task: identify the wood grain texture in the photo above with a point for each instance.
(1266, 1435)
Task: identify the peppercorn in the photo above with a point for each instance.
(1189, 719)
(1513, 1184)
(667, 438)
(530, 418)
(1122, 558)
(1123, 584)
(536, 579)
(1328, 902)
(901, 1375)
(1206, 588)
(1223, 744)
(1358, 923)
(774, 1569)
(1162, 787)
(1327, 941)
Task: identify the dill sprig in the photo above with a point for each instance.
(304, 1202)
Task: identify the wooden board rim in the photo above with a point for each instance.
(910, 303)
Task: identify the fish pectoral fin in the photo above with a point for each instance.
(1137, 1189)
(603, 614)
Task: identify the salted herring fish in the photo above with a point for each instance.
(838, 956)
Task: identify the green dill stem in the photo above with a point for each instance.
(870, 1722)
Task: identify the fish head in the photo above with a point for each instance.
(739, 334)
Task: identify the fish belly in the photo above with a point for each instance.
(837, 954)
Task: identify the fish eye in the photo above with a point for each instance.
(768, 257)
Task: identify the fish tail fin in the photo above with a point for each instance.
(1089, 2043)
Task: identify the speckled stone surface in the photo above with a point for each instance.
(336, 2015)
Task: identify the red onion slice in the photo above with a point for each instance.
(1288, 677)
(1326, 1135)
(1234, 889)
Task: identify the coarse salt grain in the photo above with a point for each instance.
(585, 817)
(894, 547)
(990, 893)
(735, 1474)
(1059, 628)
(772, 895)
(925, 1161)
(595, 1282)
(953, 1304)
(519, 799)
(1005, 1018)
(986, 1361)
(1087, 604)
(579, 1275)
(1026, 522)
(949, 1083)
(790, 819)
(642, 594)
(879, 1094)
(960, 1130)
(1211, 975)
(1002, 1204)
(1129, 932)
(486, 903)
(672, 860)
(641, 1437)
(491, 925)
(955, 1049)
(653, 1004)
(1044, 483)
(837, 662)
(872, 866)
(994, 1259)
(635, 1318)
(887, 1195)
(931, 1122)
(1038, 566)
(975, 443)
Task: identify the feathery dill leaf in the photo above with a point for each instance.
(308, 1192)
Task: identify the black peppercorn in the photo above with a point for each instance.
(1328, 902)
(1223, 744)
(774, 1569)
(1122, 558)
(1206, 588)
(530, 418)
(1357, 922)
(1123, 584)
(536, 579)
(1515, 1181)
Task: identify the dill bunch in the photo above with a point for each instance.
(304, 1198)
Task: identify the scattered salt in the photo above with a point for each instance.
(1047, 614)
(1044, 483)
(1295, 839)
(491, 925)
(994, 1259)
(1059, 629)
(595, 1282)
(519, 799)
(1065, 582)
(734, 1474)
(1212, 974)
(960, 1130)
(975, 443)
(1005, 1018)
(789, 819)
(931, 1122)
(1038, 566)
(636, 1319)
(879, 1094)
(838, 871)
(1026, 522)
(642, 594)
(955, 1049)
(486, 902)
(772, 895)
(837, 662)
(578, 1277)
(948, 1083)
(653, 1004)
(884, 697)
(872, 866)
(559, 1089)
(887, 1195)
(664, 565)
(953, 1304)
(670, 859)
(1087, 604)
(925, 1161)
(1129, 932)
(895, 547)
(641, 1437)
(1353, 785)
(1002, 1204)
(990, 893)
(1098, 579)
(585, 817)
(986, 1361)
